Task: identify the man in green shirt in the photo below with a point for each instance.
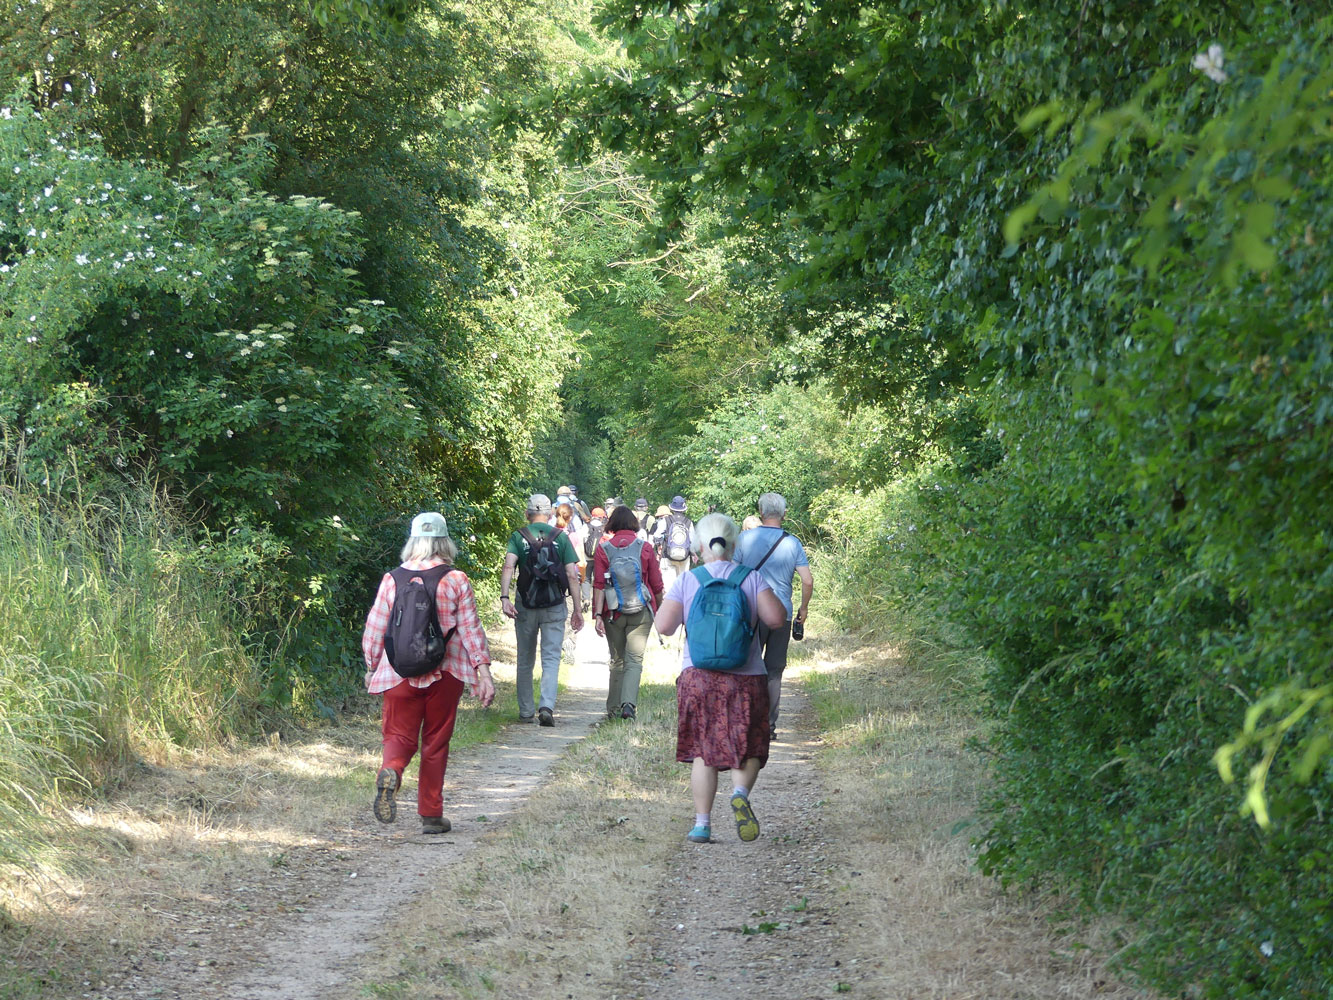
(548, 569)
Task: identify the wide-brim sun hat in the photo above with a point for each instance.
(678, 504)
(428, 525)
(663, 511)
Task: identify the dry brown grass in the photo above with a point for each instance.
(557, 897)
(552, 902)
(896, 729)
(165, 844)
(160, 849)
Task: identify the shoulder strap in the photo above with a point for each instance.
(528, 536)
(739, 573)
(432, 576)
(773, 549)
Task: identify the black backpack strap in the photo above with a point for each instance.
(772, 550)
(430, 579)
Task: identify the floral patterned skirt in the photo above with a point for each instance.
(723, 717)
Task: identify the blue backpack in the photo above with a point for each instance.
(718, 627)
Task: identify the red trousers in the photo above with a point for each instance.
(429, 713)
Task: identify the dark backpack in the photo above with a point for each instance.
(541, 577)
(718, 628)
(624, 574)
(413, 642)
(677, 538)
(594, 535)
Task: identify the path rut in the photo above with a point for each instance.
(314, 921)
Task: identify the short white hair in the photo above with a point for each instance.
(715, 537)
(423, 548)
(772, 505)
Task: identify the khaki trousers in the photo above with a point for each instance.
(626, 638)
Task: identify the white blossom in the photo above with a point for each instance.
(1210, 63)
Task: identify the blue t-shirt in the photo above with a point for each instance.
(754, 544)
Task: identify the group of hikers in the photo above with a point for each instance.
(730, 591)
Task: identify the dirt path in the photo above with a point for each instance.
(790, 916)
(760, 919)
(300, 933)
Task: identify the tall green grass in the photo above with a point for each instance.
(868, 565)
(114, 635)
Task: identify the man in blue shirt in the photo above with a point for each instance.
(778, 556)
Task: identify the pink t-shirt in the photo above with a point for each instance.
(686, 586)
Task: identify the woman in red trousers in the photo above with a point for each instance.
(422, 710)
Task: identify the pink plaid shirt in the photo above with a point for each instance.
(454, 605)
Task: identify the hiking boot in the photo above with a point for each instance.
(545, 717)
(747, 826)
(386, 783)
(700, 835)
(772, 733)
(435, 824)
(627, 711)
(527, 718)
